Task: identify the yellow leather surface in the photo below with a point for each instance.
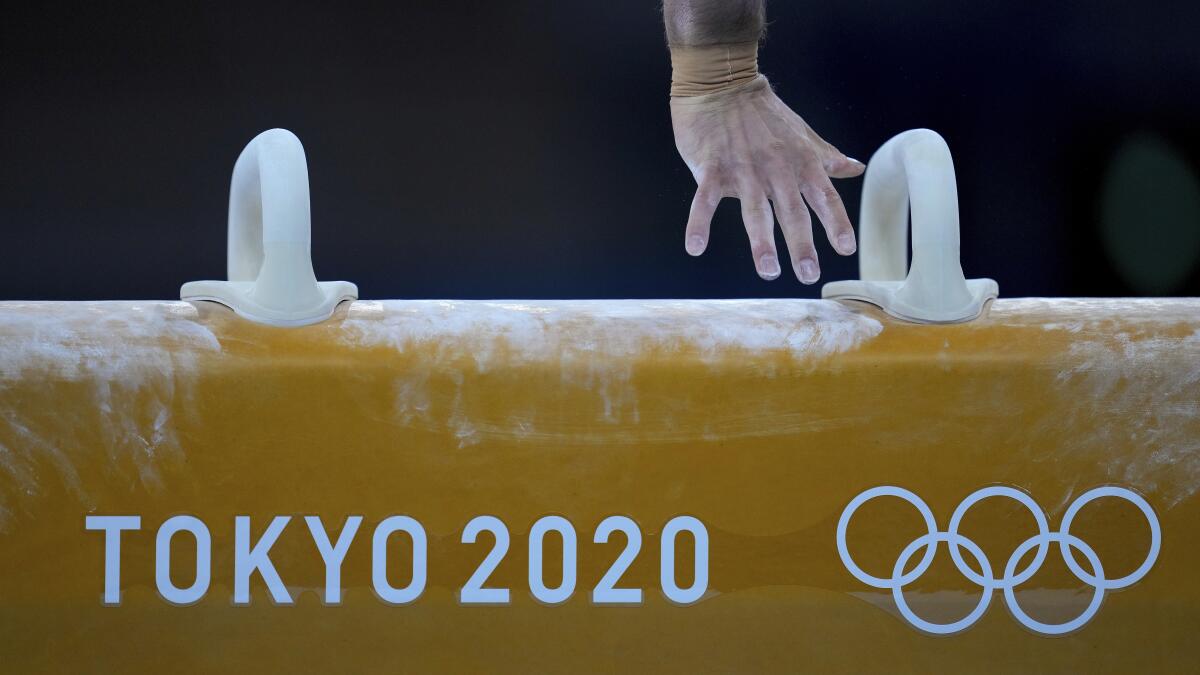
(763, 419)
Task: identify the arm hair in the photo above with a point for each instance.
(696, 23)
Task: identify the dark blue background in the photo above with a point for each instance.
(524, 149)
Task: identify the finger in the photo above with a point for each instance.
(704, 204)
(827, 203)
(760, 226)
(797, 229)
(838, 165)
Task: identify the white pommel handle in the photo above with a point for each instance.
(271, 278)
(915, 167)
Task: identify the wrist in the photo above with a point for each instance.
(711, 69)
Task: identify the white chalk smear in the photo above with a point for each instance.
(1145, 409)
(129, 360)
(593, 343)
(534, 331)
(1130, 380)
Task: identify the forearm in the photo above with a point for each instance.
(698, 23)
(714, 44)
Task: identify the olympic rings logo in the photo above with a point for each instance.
(1011, 577)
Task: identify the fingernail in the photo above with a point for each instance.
(695, 245)
(808, 271)
(768, 266)
(846, 243)
(855, 161)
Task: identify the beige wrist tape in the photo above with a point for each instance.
(696, 71)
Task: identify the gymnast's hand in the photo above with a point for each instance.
(746, 143)
(740, 140)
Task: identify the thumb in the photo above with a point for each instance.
(838, 165)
